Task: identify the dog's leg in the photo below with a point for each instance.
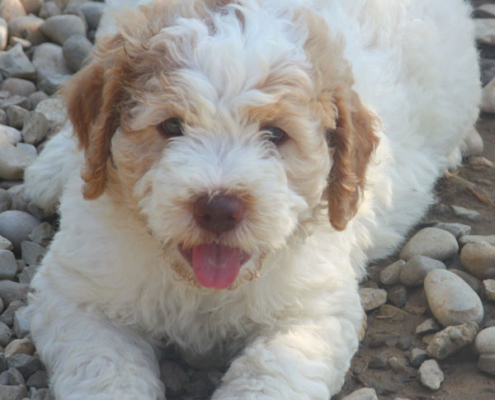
(303, 360)
(90, 358)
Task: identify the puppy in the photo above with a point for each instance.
(235, 164)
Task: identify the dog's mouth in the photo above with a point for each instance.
(215, 265)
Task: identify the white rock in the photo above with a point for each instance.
(35, 128)
(15, 64)
(13, 162)
(19, 346)
(454, 228)
(463, 240)
(489, 289)
(486, 363)
(430, 375)
(462, 212)
(479, 259)
(54, 111)
(431, 242)
(62, 27)
(390, 275)
(10, 9)
(485, 341)
(428, 326)
(16, 226)
(452, 301)
(362, 394)
(372, 298)
(29, 149)
(9, 135)
(415, 270)
(4, 34)
(485, 30)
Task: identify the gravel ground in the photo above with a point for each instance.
(431, 307)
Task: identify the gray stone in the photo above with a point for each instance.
(490, 239)
(390, 275)
(92, 12)
(36, 98)
(20, 87)
(29, 149)
(415, 270)
(54, 111)
(40, 394)
(5, 204)
(8, 316)
(13, 162)
(19, 202)
(32, 6)
(21, 324)
(397, 295)
(466, 213)
(430, 242)
(3, 363)
(485, 341)
(26, 364)
(59, 28)
(4, 33)
(430, 375)
(489, 289)
(16, 226)
(5, 244)
(38, 380)
(19, 346)
(451, 300)
(479, 259)
(10, 9)
(15, 100)
(8, 265)
(380, 361)
(428, 326)
(13, 392)
(12, 291)
(372, 298)
(77, 50)
(3, 117)
(452, 339)
(27, 274)
(475, 283)
(52, 69)
(5, 334)
(17, 116)
(400, 365)
(49, 9)
(14, 377)
(486, 363)
(32, 253)
(42, 234)
(28, 28)
(454, 228)
(2, 307)
(362, 394)
(174, 378)
(35, 128)
(15, 64)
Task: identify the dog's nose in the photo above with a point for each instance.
(218, 214)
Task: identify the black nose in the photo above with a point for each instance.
(218, 214)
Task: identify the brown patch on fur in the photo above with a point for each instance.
(344, 117)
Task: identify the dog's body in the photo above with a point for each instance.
(112, 289)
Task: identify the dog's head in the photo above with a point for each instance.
(223, 124)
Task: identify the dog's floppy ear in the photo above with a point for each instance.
(352, 143)
(93, 97)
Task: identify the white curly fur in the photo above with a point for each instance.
(106, 298)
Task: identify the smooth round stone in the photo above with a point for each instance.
(486, 363)
(485, 341)
(92, 12)
(15, 64)
(61, 27)
(20, 87)
(4, 34)
(489, 289)
(54, 111)
(371, 298)
(32, 6)
(451, 300)
(472, 281)
(9, 135)
(415, 270)
(362, 394)
(16, 226)
(49, 10)
(28, 28)
(430, 242)
(37, 97)
(490, 239)
(13, 162)
(390, 275)
(76, 50)
(10, 9)
(430, 375)
(479, 259)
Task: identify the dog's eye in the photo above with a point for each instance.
(275, 134)
(171, 127)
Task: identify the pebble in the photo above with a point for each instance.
(21, 324)
(16, 193)
(5, 334)
(479, 259)
(42, 234)
(49, 9)
(20, 87)
(10, 9)
(454, 228)
(17, 116)
(32, 253)
(486, 363)
(430, 242)
(417, 357)
(28, 28)
(466, 213)
(19, 346)
(490, 239)
(16, 226)
(397, 295)
(38, 380)
(14, 377)
(451, 300)
(452, 339)
(8, 316)
(11, 291)
(26, 364)
(3, 363)
(32, 6)
(35, 128)
(3, 117)
(92, 12)
(485, 341)
(54, 111)
(390, 275)
(475, 283)
(60, 27)
(174, 377)
(362, 394)
(13, 392)
(29, 149)
(52, 69)
(5, 204)
(380, 361)
(430, 375)
(485, 30)
(400, 364)
(473, 143)
(3, 34)
(76, 50)
(9, 135)
(13, 162)
(15, 64)
(36, 98)
(372, 298)
(415, 270)
(428, 326)
(8, 265)
(15, 100)
(489, 289)
(27, 274)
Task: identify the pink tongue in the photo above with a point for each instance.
(216, 266)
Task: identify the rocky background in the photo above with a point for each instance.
(431, 307)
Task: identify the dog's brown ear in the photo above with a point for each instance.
(93, 99)
(352, 142)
